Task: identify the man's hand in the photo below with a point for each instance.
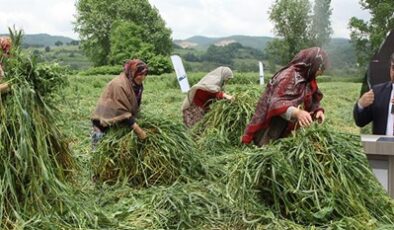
(366, 99)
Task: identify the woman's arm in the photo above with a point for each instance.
(139, 131)
(4, 88)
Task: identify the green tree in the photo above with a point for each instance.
(297, 27)
(58, 43)
(291, 18)
(95, 21)
(320, 29)
(127, 43)
(367, 36)
(222, 55)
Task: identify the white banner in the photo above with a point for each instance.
(180, 73)
(261, 73)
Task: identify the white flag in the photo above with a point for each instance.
(180, 73)
(261, 73)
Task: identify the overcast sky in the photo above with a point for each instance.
(213, 18)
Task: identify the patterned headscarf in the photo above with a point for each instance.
(5, 44)
(134, 68)
(309, 61)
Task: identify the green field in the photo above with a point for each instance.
(198, 186)
(162, 98)
(81, 96)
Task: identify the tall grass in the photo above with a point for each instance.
(224, 124)
(168, 154)
(313, 178)
(37, 169)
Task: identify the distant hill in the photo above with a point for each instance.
(201, 42)
(260, 43)
(44, 39)
(341, 54)
(340, 51)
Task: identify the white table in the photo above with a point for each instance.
(380, 153)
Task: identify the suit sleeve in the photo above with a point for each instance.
(362, 117)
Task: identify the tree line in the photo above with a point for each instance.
(112, 31)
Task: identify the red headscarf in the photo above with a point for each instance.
(291, 86)
(134, 68)
(5, 44)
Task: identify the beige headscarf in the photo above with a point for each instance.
(212, 82)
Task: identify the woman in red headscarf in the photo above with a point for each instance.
(120, 101)
(291, 97)
(5, 47)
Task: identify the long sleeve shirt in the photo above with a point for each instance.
(203, 98)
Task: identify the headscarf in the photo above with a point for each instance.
(5, 44)
(119, 101)
(212, 82)
(135, 67)
(291, 86)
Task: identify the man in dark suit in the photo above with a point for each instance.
(377, 105)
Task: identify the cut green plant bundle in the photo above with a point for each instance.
(316, 177)
(36, 162)
(167, 154)
(226, 120)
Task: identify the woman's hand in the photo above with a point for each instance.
(228, 97)
(139, 131)
(320, 116)
(303, 117)
(4, 88)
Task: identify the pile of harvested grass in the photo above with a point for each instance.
(224, 124)
(36, 162)
(194, 205)
(316, 177)
(167, 154)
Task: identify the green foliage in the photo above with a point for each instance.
(291, 19)
(102, 70)
(58, 43)
(96, 19)
(315, 177)
(16, 37)
(168, 154)
(202, 203)
(37, 167)
(367, 36)
(234, 55)
(222, 54)
(70, 56)
(226, 120)
(45, 79)
(127, 43)
(292, 24)
(159, 64)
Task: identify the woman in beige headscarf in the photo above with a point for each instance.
(5, 47)
(201, 95)
(120, 101)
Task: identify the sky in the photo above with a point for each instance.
(186, 18)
